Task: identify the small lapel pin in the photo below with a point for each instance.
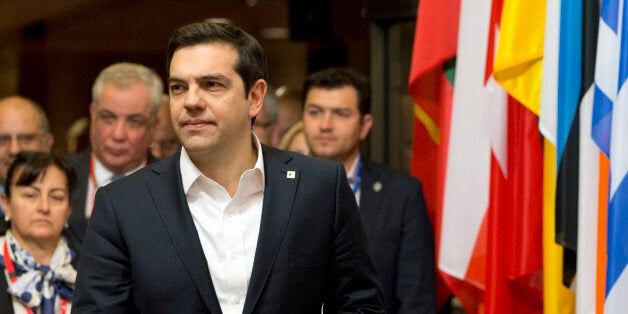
(291, 174)
(377, 186)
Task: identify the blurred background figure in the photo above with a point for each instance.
(77, 135)
(294, 140)
(23, 126)
(266, 119)
(289, 111)
(336, 119)
(123, 117)
(165, 141)
(36, 262)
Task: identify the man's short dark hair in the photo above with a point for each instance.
(339, 77)
(252, 62)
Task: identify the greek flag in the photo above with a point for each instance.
(610, 132)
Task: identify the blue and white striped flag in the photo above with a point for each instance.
(610, 131)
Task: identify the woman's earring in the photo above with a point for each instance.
(6, 218)
(66, 225)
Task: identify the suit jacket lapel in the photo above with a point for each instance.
(280, 189)
(369, 193)
(169, 198)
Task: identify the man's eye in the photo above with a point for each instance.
(211, 85)
(136, 123)
(4, 140)
(176, 89)
(313, 112)
(107, 118)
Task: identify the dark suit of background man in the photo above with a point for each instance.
(226, 224)
(125, 101)
(336, 117)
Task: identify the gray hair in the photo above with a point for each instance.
(125, 73)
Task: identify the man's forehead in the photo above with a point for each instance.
(222, 51)
(332, 104)
(19, 119)
(125, 101)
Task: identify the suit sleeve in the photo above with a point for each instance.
(354, 286)
(415, 270)
(103, 283)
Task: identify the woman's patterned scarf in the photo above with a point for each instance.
(38, 285)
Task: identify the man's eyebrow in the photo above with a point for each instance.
(174, 79)
(136, 116)
(316, 106)
(106, 111)
(214, 77)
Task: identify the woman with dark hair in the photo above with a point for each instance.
(37, 274)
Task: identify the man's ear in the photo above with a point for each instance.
(365, 127)
(256, 97)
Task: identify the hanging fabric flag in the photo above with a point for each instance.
(431, 87)
(556, 297)
(588, 168)
(463, 234)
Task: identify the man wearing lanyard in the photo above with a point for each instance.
(23, 126)
(336, 117)
(125, 101)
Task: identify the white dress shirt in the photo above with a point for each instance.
(228, 228)
(351, 176)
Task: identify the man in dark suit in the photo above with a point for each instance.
(336, 119)
(226, 224)
(125, 101)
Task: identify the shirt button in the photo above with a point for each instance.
(229, 214)
(236, 300)
(234, 257)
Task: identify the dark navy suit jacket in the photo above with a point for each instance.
(142, 253)
(77, 223)
(400, 237)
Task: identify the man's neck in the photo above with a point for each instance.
(350, 160)
(226, 167)
(120, 170)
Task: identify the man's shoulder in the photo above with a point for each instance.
(381, 170)
(161, 173)
(297, 159)
(79, 160)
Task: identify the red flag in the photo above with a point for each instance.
(515, 261)
(431, 87)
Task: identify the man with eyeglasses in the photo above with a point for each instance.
(23, 126)
(123, 118)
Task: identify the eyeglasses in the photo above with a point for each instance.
(24, 139)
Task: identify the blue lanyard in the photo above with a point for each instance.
(357, 181)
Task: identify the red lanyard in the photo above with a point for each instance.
(13, 278)
(92, 179)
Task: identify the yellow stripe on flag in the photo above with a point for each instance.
(430, 125)
(518, 64)
(557, 297)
